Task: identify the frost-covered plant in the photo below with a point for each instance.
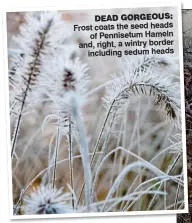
(35, 40)
(47, 200)
(70, 81)
(147, 83)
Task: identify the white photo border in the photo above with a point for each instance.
(105, 214)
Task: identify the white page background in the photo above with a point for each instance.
(4, 199)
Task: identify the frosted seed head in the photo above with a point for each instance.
(65, 83)
(47, 200)
(41, 34)
(62, 77)
(161, 88)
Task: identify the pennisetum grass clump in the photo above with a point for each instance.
(128, 159)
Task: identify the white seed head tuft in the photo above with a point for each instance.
(47, 200)
(65, 83)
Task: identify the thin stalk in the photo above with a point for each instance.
(136, 133)
(177, 196)
(139, 148)
(120, 166)
(71, 161)
(49, 174)
(16, 132)
(57, 145)
(104, 148)
(116, 153)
